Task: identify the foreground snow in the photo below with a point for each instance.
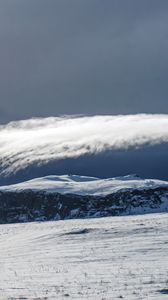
(82, 185)
(107, 258)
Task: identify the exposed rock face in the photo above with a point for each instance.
(27, 206)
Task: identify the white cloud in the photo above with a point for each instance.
(23, 143)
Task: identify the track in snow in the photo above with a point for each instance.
(107, 258)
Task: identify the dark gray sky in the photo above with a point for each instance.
(83, 57)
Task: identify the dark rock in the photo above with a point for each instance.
(26, 206)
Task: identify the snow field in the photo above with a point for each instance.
(104, 258)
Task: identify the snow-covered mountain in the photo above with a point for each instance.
(73, 196)
(83, 185)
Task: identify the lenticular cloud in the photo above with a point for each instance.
(39, 141)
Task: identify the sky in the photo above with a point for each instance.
(100, 146)
(83, 57)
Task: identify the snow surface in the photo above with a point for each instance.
(83, 185)
(108, 258)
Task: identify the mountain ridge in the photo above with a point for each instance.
(84, 185)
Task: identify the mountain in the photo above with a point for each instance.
(73, 196)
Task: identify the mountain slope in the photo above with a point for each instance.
(65, 197)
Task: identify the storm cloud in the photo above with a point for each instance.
(82, 57)
(59, 145)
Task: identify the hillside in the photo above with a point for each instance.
(69, 197)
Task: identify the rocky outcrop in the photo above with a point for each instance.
(27, 206)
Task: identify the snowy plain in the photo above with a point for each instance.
(103, 258)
